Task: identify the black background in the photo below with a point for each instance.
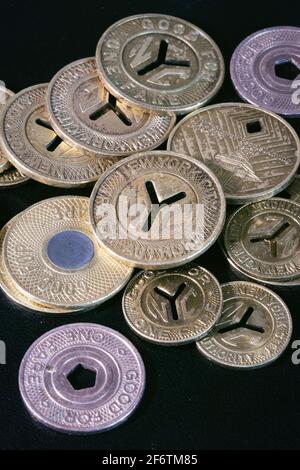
(188, 403)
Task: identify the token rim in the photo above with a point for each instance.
(10, 94)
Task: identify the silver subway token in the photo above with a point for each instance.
(254, 329)
(81, 378)
(292, 192)
(5, 95)
(173, 307)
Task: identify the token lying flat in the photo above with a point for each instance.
(173, 307)
(5, 95)
(265, 69)
(157, 209)
(254, 153)
(84, 114)
(51, 254)
(12, 292)
(114, 385)
(263, 239)
(33, 147)
(160, 62)
(12, 177)
(254, 329)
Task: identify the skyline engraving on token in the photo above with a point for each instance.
(5, 95)
(173, 307)
(254, 153)
(105, 396)
(87, 116)
(263, 239)
(265, 69)
(12, 177)
(37, 151)
(254, 329)
(157, 210)
(51, 254)
(160, 62)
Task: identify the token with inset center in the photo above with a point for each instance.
(88, 117)
(157, 209)
(265, 69)
(263, 239)
(254, 329)
(160, 62)
(10, 289)
(173, 307)
(5, 95)
(37, 151)
(81, 378)
(51, 254)
(12, 177)
(254, 153)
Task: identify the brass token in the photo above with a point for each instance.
(86, 116)
(51, 254)
(263, 239)
(160, 62)
(37, 151)
(173, 307)
(254, 153)
(12, 177)
(254, 329)
(157, 210)
(12, 292)
(5, 95)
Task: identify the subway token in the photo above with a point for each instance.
(173, 307)
(51, 254)
(81, 378)
(263, 239)
(157, 210)
(254, 329)
(254, 153)
(86, 116)
(265, 69)
(12, 177)
(37, 151)
(5, 95)
(160, 62)
(12, 292)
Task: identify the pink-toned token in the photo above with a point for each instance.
(265, 69)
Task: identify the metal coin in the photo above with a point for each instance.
(254, 153)
(157, 210)
(107, 394)
(84, 114)
(254, 329)
(263, 239)
(265, 69)
(12, 177)
(5, 95)
(15, 294)
(51, 254)
(173, 307)
(37, 151)
(160, 62)
(292, 192)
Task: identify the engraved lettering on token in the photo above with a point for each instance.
(173, 307)
(254, 329)
(160, 62)
(81, 385)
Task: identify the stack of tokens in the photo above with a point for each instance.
(100, 121)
